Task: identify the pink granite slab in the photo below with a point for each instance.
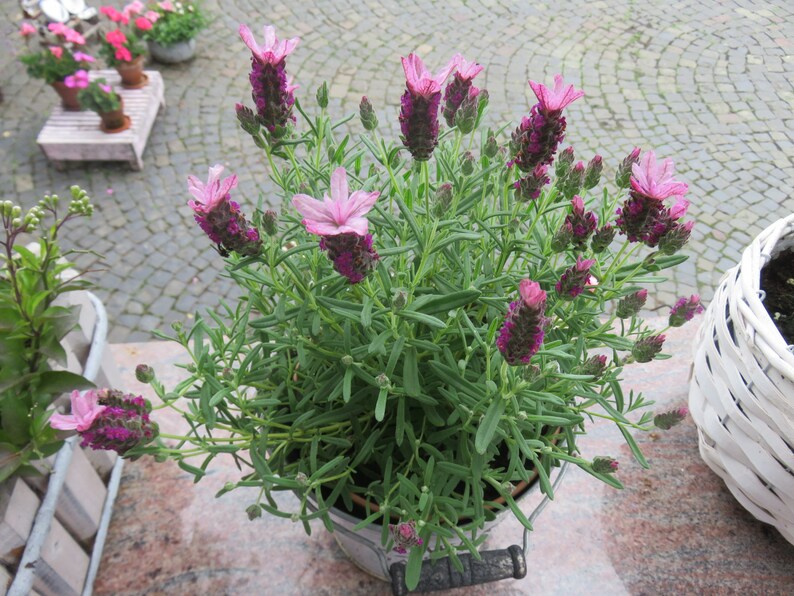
(675, 529)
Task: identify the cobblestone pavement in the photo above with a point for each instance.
(709, 83)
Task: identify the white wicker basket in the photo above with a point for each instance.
(742, 392)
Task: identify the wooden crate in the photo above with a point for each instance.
(75, 136)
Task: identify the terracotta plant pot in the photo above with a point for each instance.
(132, 76)
(114, 121)
(68, 96)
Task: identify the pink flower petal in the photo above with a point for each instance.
(63, 422)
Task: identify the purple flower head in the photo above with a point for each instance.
(405, 536)
(528, 188)
(273, 51)
(647, 348)
(655, 181)
(522, 333)
(419, 106)
(668, 420)
(594, 366)
(685, 310)
(631, 304)
(536, 139)
(351, 254)
(557, 98)
(343, 213)
(575, 278)
(459, 88)
(580, 223)
(219, 216)
(271, 90)
(124, 423)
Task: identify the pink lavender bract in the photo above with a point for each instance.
(459, 88)
(557, 98)
(123, 423)
(654, 180)
(85, 409)
(342, 213)
(419, 106)
(405, 536)
(271, 90)
(522, 333)
(219, 216)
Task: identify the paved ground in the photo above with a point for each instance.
(709, 83)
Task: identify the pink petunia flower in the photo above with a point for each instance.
(152, 15)
(143, 23)
(133, 8)
(85, 409)
(656, 180)
(420, 81)
(111, 13)
(56, 51)
(213, 192)
(106, 88)
(57, 28)
(74, 37)
(558, 98)
(343, 213)
(123, 54)
(77, 80)
(26, 29)
(81, 57)
(273, 51)
(166, 6)
(116, 37)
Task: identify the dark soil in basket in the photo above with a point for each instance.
(777, 280)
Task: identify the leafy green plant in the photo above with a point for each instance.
(423, 334)
(32, 326)
(99, 97)
(176, 22)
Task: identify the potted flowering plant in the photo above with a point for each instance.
(33, 327)
(423, 338)
(61, 64)
(122, 47)
(174, 27)
(100, 97)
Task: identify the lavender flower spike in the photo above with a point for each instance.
(219, 216)
(523, 330)
(536, 139)
(419, 106)
(685, 310)
(271, 90)
(575, 278)
(458, 89)
(123, 423)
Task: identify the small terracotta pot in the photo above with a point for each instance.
(68, 96)
(132, 76)
(114, 121)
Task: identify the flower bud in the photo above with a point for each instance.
(270, 222)
(602, 238)
(383, 380)
(144, 373)
(573, 181)
(684, 310)
(405, 536)
(605, 465)
(491, 147)
(675, 239)
(227, 373)
(528, 188)
(467, 164)
(254, 511)
(592, 174)
(322, 95)
(647, 348)
(347, 360)
(668, 420)
(367, 114)
(466, 116)
(623, 174)
(16, 211)
(443, 199)
(594, 366)
(631, 304)
(248, 120)
(513, 225)
(562, 238)
(564, 163)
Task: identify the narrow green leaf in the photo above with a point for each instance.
(635, 449)
(488, 425)
(380, 405)
(411, 373)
